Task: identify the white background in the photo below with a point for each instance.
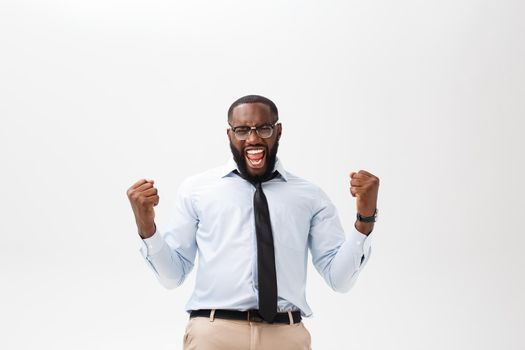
(428, 95)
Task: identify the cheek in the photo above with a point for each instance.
(237, 145)
(271, 144)
(233, 141)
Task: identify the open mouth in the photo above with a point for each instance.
(255, 157)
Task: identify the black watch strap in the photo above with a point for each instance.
(367, 219)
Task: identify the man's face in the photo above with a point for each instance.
(247, 153)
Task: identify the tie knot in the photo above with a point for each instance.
(257, 182)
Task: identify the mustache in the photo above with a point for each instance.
(238, 156)
(254, 146)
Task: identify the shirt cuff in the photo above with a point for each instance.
(153, 244)
(361, 240)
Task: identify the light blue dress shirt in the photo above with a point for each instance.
(213, 216)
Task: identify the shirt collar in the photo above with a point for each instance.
(231, 166)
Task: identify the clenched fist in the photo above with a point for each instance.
(143, 196)
(364, 186)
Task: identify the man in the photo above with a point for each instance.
(252, 223)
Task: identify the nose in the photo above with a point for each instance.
(253, 137)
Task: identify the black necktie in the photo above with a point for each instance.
(265, 254)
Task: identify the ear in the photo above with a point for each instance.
(229, 135)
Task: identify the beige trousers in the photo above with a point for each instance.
(209, 333)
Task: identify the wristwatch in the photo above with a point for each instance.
(367, 218)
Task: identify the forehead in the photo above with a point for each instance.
(252, 114)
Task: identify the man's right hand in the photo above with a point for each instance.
(143, 197)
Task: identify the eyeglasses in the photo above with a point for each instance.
(243, 132)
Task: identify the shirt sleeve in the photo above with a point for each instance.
(337, 256)
(171, 255)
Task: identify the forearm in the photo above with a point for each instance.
(146, 229)
(349, 261)
(169, 267)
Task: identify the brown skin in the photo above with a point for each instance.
(253, 114)
(143, 195)
(364, 186)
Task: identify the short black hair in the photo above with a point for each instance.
(254, 99)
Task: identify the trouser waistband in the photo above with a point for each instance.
(290, 317)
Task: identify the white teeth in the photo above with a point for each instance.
(254, 151)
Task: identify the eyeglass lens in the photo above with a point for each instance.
(264, 131)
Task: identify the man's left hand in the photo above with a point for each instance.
(364, 186)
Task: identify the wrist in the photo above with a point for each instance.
(367, 212)
(364, 227)
(367, 218)
(146, 230)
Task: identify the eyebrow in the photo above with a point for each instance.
(257, 125)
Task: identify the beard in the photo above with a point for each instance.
(271, 157)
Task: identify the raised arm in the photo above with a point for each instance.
(171, 256)
(338, 256)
